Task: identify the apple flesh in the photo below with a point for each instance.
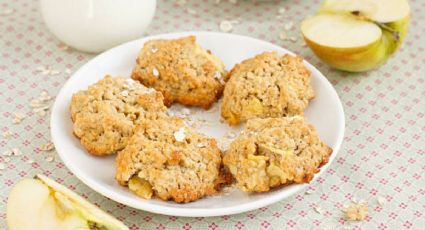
(357, 35)
(383, 11)
(41, 203)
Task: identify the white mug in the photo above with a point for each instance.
(96, 25)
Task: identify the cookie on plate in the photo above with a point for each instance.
(181, 70)
(168, 159)
(268, 85)
(271, 152)
(105, 114)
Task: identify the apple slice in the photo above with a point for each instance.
(41, 203)
(357, 35)
(382, 11)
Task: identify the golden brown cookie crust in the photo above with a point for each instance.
(275, 151)
(105, 114)
(181, 70)
(267, 85)
(182, 168)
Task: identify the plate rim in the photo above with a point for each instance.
(195, 212)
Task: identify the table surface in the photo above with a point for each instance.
(382, 157)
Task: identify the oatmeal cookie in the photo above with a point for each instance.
(275, 151)
(268, 85)
(105, 114)
(168, 159)
(181, 70)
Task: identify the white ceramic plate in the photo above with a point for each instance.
(325, 112)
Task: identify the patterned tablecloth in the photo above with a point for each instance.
(382, 159)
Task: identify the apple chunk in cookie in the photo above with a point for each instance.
(41, 203)
(272, 152)
(267, 85)
(167, 159)
(357, 35)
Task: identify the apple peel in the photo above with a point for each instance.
(42, 203)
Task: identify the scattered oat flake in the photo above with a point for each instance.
(226, 26)
(318, 209)
(6, 159)
(41, 104)
(18, 117)
(155, 72)
(43, 94)
(231, 134)
(227, 190)
(179, 135)
(30, 161)
(49, 158)
(217, 1)
(39, 107)
(283, 36)
(7, 153)
(154, 49)
(185, 111)
(7, 134)
(293, 39)
(124, 93)
(181, 2)
(356, 211)
(221, 146)
(129, 81)
(35, 103)
(310, 191)
(45, 98)
(41, 113)
(281, 10)
(54, 72)
(47, 147)
(7, 12)
(195, 124)
(40, 68)
(233, 1)
(2, 166)
(218, 76)
(288, 26)
(191, 11)
(381, 201)
(46, 71)
(201, 145)
(279, 16)
(67, 71)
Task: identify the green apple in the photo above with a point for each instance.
(357, 35)
(41, 203)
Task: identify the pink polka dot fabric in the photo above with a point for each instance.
(382, 157)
